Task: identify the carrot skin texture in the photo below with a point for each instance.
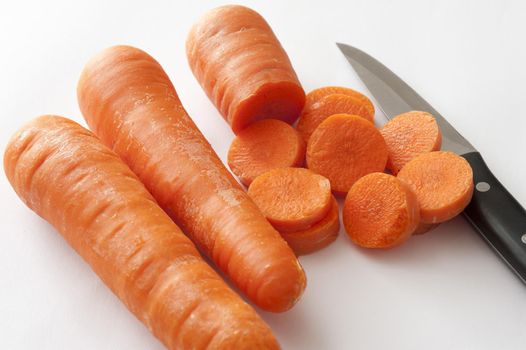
(68, 177)
(243, 68)
(131, 105)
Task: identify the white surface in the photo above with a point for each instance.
(443, 290)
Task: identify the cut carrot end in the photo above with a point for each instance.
(283, 101)
(380, 211)
(442, 182)
(318, 236)
(265, 145)
(344, 148)
(292, 199)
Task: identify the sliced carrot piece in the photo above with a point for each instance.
(317, 94)
(380, 211)
(442, 182)
(408, 135)
(292, 199)
(318, 236)
(263, 146)
(424, 228)
(344, 148)
(314, 114)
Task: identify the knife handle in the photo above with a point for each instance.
(497, 216)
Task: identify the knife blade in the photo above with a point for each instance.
(494, 213)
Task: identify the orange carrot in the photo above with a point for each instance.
(265, 145)
(65, 174)
(317, 94)
(131, 105)
(318, 236)
(424, 228)
(442, 182)
(314, 114)
(380, 211)
(344, 148)
(292, 199)
(242, 67)
(409, 134)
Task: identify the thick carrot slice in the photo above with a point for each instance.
(65, 174)
(263, 146)
(317, 94)
(408, 135)
(380, 211)
(313, 115)
(292, 199)
(424, 228)
(242, 67)
(131, 105)
(344, 148)
(318, 236)
(443, 183)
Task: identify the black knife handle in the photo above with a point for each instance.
(497, 216)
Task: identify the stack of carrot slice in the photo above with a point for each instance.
(424, 188)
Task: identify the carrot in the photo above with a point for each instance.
(424, 228)
(314, 114)
(442, 182)
(318, 236)
(380, 211)
(242, 67)
(65, 174)
(292, 199)
(131, 105)
(344, 148)
(317, 94)
(409, 134)
(265, 145)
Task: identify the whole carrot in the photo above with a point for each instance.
(130, 103)
(68, 177)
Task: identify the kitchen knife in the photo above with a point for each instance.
(493, 212)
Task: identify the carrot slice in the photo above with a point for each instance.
(314, 114)
(292, 199)
(443, 183)
(69, 178)
(408, 135)
(132, 106)
(243, 68)
(263, 146)
(317, 94)
(424, 228)
(344, 148)
(318, 236)
(380, 211)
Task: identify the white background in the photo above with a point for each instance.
(443, 290)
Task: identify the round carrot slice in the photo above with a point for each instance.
(263, 146)
(380, 211)
(292, 199)
(442, 182)
(408, 135)
(314, 114)
(424, 228)
(317, 94)
(318, 236)
(344, 148)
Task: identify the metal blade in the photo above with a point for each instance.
(394, 96)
